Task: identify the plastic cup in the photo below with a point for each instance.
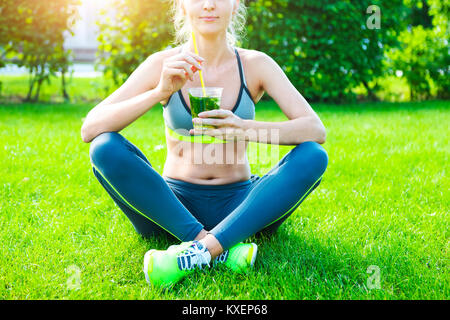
(200, 103)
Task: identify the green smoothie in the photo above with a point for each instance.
(200, 104)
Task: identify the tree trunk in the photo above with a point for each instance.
(30, 85)
(63, 84)
(370, 91)
(38, 89)
(40, 79)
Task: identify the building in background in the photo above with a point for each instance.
(84, 42)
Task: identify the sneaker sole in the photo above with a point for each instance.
(252, 254)
(148, 264)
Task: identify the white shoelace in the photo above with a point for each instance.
(195, 255)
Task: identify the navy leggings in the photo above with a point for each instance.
(232, 212)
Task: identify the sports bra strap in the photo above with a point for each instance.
(241, 69)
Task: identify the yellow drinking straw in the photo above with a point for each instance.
(200, 71)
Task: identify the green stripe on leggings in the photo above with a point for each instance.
(129, 204)
(293, 207)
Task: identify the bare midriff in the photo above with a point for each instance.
(210, 164)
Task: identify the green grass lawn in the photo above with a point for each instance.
(383, 202)
(15, 87)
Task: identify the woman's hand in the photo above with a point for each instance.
(176, 70)
(228, 125)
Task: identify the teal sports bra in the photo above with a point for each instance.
(178, 117)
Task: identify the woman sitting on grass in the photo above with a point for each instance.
(210, 206)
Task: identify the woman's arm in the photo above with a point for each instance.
(133, 99)
(291, 132)
(231, 127)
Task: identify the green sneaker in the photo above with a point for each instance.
(239, 258)
(167, 267)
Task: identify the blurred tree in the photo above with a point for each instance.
(32, 35)
(423, 55)
(420, 14)
(136, 30)
(440, 72)
(10, 22)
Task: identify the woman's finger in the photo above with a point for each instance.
(182, 65)
(210, 121)
(219, 113)
(176, 72)
(193, 55)
(195, 65)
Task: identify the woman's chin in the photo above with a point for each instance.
(210, 31)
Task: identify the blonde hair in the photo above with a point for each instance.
(236, 31)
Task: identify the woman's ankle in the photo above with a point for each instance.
(213, 245)
(201, 234)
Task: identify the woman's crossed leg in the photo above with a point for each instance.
(153, 208)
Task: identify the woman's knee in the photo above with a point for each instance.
(310, 157)
(104, 148)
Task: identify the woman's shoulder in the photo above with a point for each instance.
(249, 54)
(252, 58)
(259, 69)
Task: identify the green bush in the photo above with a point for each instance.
(440, 72)
(423, 54)
(325, 46)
